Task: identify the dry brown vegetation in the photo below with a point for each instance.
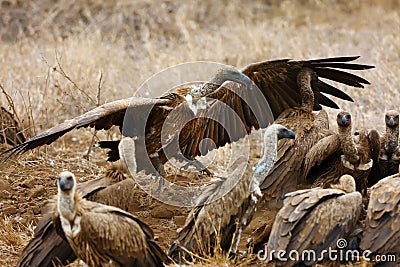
(53, 53)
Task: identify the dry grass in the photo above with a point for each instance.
(126, 42)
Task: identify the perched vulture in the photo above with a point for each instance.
(314, 219)
(342, 153)
(10, 131)
(381, 233)
(221, 216)
(103, 235)
(389, 155)
(49, 246)
(230, 113)
(310, 127)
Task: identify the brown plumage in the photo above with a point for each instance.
(103, 235)
(381, 233)
(342, 153)
(314, 219)
(310, 127)
(49, 246)
(277, 81)
(389, 155)
(10, 131)
(222, 215)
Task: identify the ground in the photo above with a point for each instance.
(59, 59)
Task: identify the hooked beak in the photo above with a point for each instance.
(344, 119)
(391, 122)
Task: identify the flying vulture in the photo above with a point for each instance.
(389, 155)
(381, 233)
(314, 219)
(230, 112)
(220, 217)
(10, 131)
(342, 153)
(102, 235)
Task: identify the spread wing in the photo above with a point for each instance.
(251, 108)
(382, 227)
(120, 236)
(102, 117)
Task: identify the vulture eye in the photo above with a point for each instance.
(69, 178)
(348, 117)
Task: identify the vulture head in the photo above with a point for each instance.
(222, 75)
(346, 183)
(343, 119)
(283, 132)
(66, 182)
(392, 119)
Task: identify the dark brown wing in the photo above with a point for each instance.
(382, 227)
(10, 131)
(238, 109)
(102, 117)
(287, 172)
(325, 148)
(47, 247)
(121, 236)
(278, 80)
(216, 215)
(314, 219)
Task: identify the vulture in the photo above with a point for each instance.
(389, 154)
(220, 217)
(49, 246)
(314, 219)
(102, 235)
(381, 233)
(10, 131)
(221, 114)
(310, 127)
(342, 153)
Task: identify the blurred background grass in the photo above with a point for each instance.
(128, 41)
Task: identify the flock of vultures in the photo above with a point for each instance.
(323, 185)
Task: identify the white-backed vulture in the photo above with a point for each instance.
(221, 216)
(277, 81)
(310, 127)
(314, 219)
(342, 153)
(389, 156)
(10, 131)
(381, 233)
(49, 246)
(102, 235)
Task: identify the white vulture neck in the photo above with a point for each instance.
(267, 160)
(66, 205)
